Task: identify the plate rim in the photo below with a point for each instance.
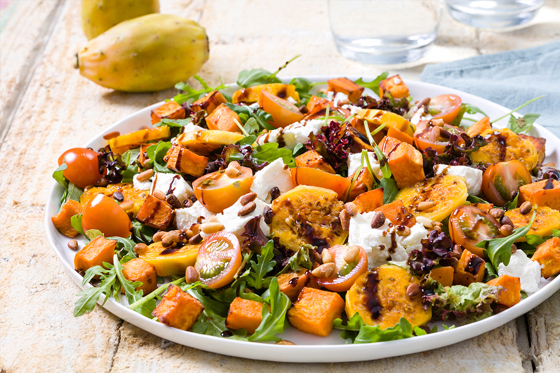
(309, 353)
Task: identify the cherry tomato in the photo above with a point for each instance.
(218, 259)
(319, 178)
(82, 166)
(501, 181)
(283, 112)
(217, 191)
(346, 273)
(468, 225)
(430, 135)
(445, 107)
(104, 214)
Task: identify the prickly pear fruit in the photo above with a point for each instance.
(148, 53)
(99, 16)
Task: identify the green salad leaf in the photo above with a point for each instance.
(257, 276)
(522, 124)
(156, 152)
(71, 191)
(374, 84)
(273, 320)
(258, 119)
(190, 93)
(510, 205)
(130, 158)
(358, 332)
(76, 222)
(253, 77)
(466, 108)
(142, 232)
(271, 151)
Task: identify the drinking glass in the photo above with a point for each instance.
(494, 14)
(384, 31)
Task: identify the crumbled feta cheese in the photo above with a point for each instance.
(354, 162)
(141, 185)
(330, 95)
(396, 80)
(340, 97)
(414, 241)
(293, 134)
(276, 174)
(172, 184)
(472, 176)
(192, 127)
(185, 218)
(521, 266)
(417, 117)
(353, 109)
(291, 100)
(236, 224)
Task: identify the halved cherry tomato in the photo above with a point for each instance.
(445, 107)
(346, 273)
(430, 135)
(468, 225)
(218, 259)
(319, 178)
(82, 166)
(283, 112)
(104, 214)
(217, 191)
(501, 181)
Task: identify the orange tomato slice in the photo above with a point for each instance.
(218, 259)
(217, 191)
(283, 112)
(447, 105)
(346, 273)
(319, 178)
(104, 214)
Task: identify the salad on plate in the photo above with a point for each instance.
(342, 204)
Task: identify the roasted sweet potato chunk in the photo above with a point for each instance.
(362, 184)
(479, 127)
(169, 110)
(292, 283)
(223, 119)
(443, 275)
(315, 310)
(346, 86)
(181, 159)
(178, 309)
(395, 86)
(140, 270)
(511, 295)
(539, 144)
(155, 213)
(209, 103)
(388, 145)
(397, 213)
(548, 256)
(369, 201)
(314, 101)
(407, 165)
(61, 221)
(542, 193)
(244, 314)
(469, 269)
(313, 159)
(95, 253)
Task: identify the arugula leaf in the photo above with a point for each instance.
(124, 245)
(374, 84)
(261, 118)
(490, 272)
(303, 86)
(76, 222)
(173, 123)
(498, 250)
(534, 240)
(90, 297)
(251, 126)
(71, 191)
(190, 93)
(510, 205)
(371, 334)
(142, 232)
(156, 152)
(133, 295)
(261, 267)
(475, 199)
(390, 190)
(273, 320)
(209, 304)
(466, 108)
(271, 151)
(523, 124)
(517, 108)
(59, 176)
(250, 78)
(210, 323)
(129, 158)
(301, 259)
(92, 233)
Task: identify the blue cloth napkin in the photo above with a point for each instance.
(509, 79)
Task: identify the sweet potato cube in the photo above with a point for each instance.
(397, 213)
(313, 159)
(479, 127)
(169, 110)
(292, 283)
(62, 222)
(542, 193)
(143, 156)
(223, 119)
(369, 201)
(443, 275)
(395, 86)
(138, 137)
(139, 270)
(388, 145)
(407, 165)
(181, 159)
(314, 101)
(469, 269)
(209, 103)
(95, 253)
(539, 144)
(511, 295)
(363, 183)
(486, 207)
(252, 94)
(244, 314)
(315, 310)
(155, 213)
(548, 256)
(346, 86)
(178, 309)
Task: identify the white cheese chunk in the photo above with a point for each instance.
(472, 176)
(236, 224)
(295, 133)
(353, 109)
(291, 100)
(340, 97)
(141, 185)
(172, 184)
(276, 174)
(521, 266)
(354, 162)
(192, 127)
(197, 213)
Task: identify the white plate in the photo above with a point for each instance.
(309, 348)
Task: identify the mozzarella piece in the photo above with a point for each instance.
(192, 127)
(414, 241)
(276, 174)
(521, 266)
(354, 161)
(353, 109)
(295, 133)
(196, 214)
(234, 223)
(291, 100)
(141, 185)
(340, 97)
(472, 176)
(172, 184)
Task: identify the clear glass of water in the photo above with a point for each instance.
(384, 31)
(494, 14)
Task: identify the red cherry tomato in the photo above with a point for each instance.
(104, 214)
(82, 166)
(502, 180)
(346, 273)
(429, 135)
(468, 225)
(218, 259)
(445, 107)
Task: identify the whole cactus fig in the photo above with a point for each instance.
(148, 53)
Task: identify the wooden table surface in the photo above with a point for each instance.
(47, 107)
